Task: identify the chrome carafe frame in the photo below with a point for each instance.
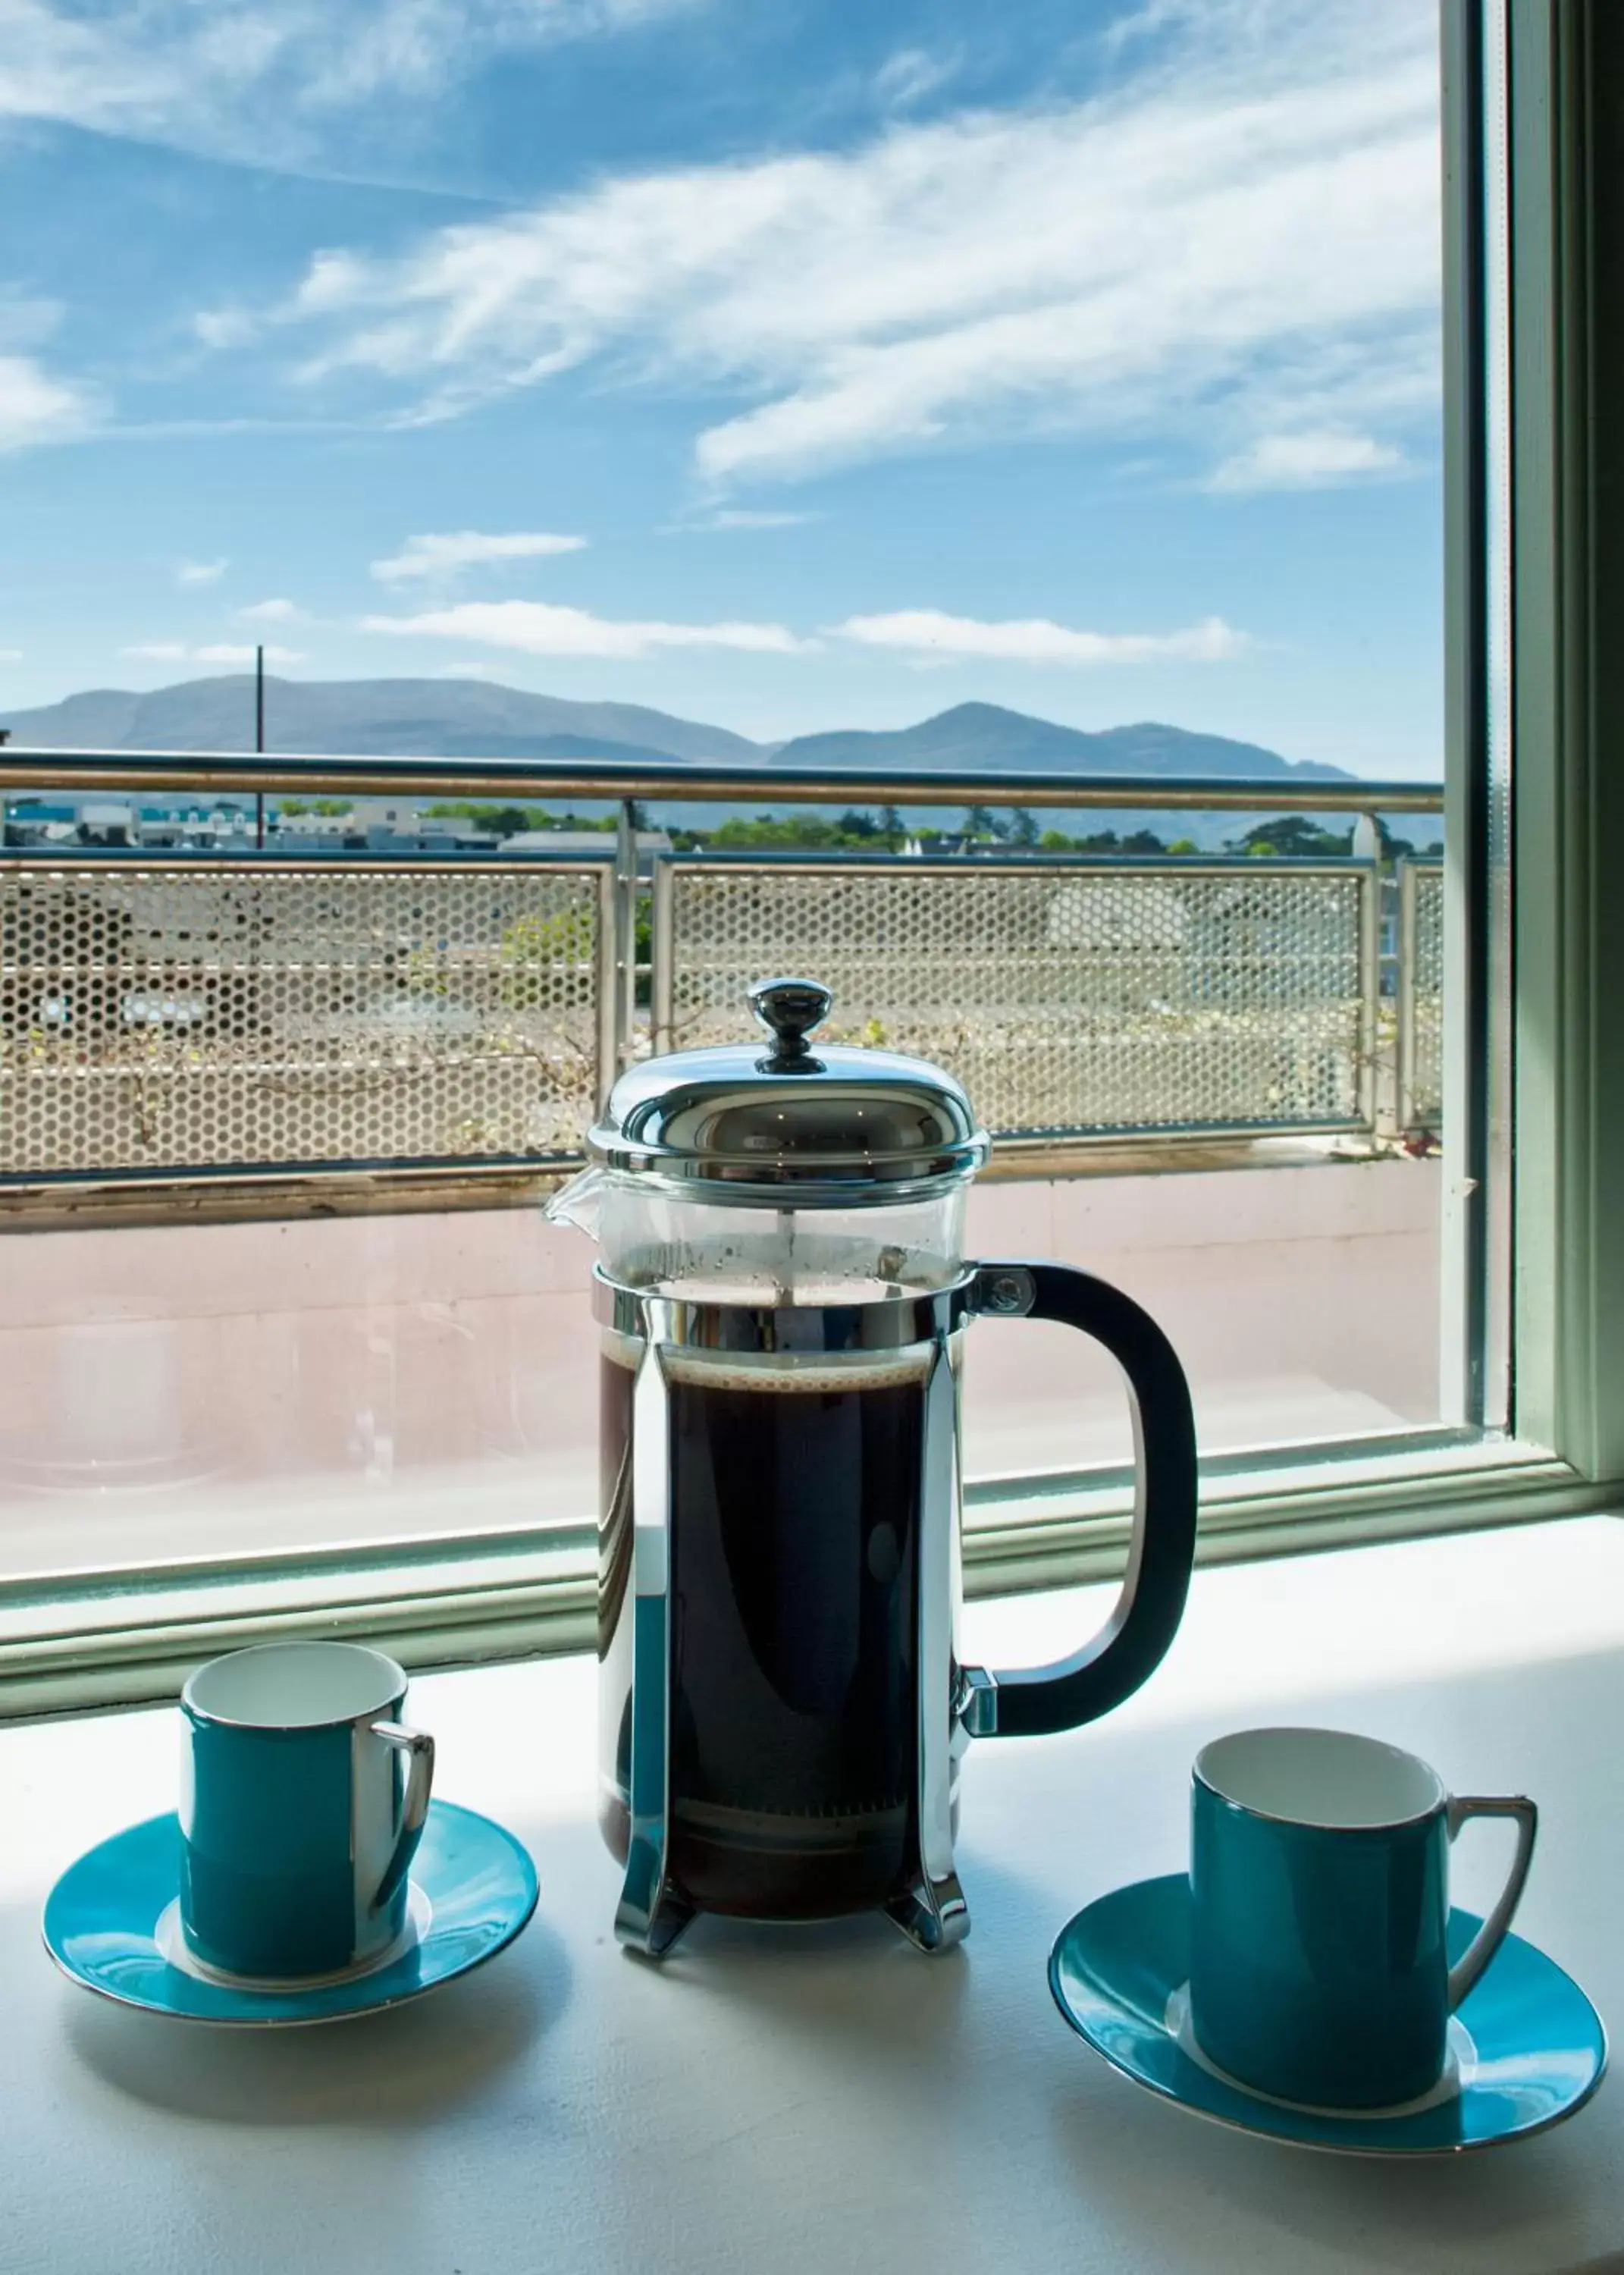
(955, 1702)
(931, 1909)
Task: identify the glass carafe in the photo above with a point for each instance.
(781, 1297)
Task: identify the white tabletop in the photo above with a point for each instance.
(826, 2098)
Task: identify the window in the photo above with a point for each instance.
(286, 1338)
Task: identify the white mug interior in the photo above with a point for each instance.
(1330, 1779)
(295, 1686)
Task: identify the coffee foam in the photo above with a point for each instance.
(788, 1374)
(785, 1373)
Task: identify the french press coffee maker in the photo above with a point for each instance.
(783, 1299)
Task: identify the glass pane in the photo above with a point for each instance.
(1043, 399)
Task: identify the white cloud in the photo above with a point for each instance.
(10, 655)
(912, 74)
(1308, 461)
(25, 322)
(1248, 219)
(37, 407)
(534, 627)
(271, 612)
(736, 517)
(449, 552)
(273, 78)
(216, 652)
(928, 633)
(200, 572)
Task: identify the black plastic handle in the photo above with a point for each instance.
(1032, 1701)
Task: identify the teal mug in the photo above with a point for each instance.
(303, 1799)
(1319, 1905)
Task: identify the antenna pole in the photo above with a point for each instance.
(259, 742)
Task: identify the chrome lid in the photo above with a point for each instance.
(838, 1127)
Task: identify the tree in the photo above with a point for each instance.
(497, 820)
(1054, 841)
(504, 820)
(1142, 840)
(859, 826)
(979, 823)
(799, 831)
(1022, 828)
(1295, 834)
(1183, 846)
(892, 828)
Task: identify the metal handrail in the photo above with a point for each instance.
(608, 780)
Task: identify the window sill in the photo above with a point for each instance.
(827, 2098)
(77, 1642)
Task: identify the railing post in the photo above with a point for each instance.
(1369, 992)
(606, 981)
(1406, 999)
(625, 932)
(661, 992)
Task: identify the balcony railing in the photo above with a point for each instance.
(1074, 999)
(330, 1019)
(1421, 996)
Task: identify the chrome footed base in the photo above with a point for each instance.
(654, 1934)
(932, 1915)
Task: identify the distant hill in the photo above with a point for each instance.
(372, 718)
(983, 735)
(476, 718)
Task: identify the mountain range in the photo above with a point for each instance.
(477, 718)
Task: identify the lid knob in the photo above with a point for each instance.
(789, 1009)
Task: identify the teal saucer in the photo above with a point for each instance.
(1527, 2048)
(110, 1924)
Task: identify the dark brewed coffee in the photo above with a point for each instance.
(794, 1540)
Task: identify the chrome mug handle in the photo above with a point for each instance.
(414, 1809)
(1468, 1971)
(1032, 1701)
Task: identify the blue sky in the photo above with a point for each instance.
(786, 364)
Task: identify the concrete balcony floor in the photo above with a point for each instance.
(220, 1390)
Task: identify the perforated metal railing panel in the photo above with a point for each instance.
(206, 1017)
(1071, 1000)
(1421, 978)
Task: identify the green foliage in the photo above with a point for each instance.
(798, 830)
(799, 833)
(496, 820)
(1293, 833)
(533, 947)
(1022, 826)
(1183, 846)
